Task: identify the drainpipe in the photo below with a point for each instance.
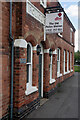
(12, 62)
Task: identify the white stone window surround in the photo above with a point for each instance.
(20, 43)
(52, 81)
(71, 70)
(43, 3)
(66, 72)
(23, 44)
(29, 88)
(47, 51)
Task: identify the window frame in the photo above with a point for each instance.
(29, 88)
(71, 31)
(71, 60)
(58, 62)
(67, 61)
(30, 66)
(64, 60)
(51, 60)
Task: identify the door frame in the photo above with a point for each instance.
(42, 69)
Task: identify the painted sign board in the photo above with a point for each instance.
(54, 22)
(23, 60)
(35, 12)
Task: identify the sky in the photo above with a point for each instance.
(71, 8)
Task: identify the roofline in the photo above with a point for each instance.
(67, 18)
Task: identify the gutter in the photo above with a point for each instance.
(12, 62)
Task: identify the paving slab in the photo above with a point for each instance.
(63, 104)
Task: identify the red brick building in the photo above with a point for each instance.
(35, 76)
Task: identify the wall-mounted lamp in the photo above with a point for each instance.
(38, 49)
(50, 52)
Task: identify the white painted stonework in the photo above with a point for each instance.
(59, 75)
(55, 52)
(20, 43)
(46, 50)
(52, 81)
(30, 89)
(34, 48)
(35, 12)
(66, 72)
(71, 70)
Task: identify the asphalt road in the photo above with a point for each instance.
(63, 104)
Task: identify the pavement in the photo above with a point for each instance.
(63, 104)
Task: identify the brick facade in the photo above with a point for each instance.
(25, 27)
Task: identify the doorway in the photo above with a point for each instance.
(41, 72)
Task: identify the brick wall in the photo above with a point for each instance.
(63, 46)
(20, 78)
(5, 59)
(26, 27)
(66, 31)
(0, 60)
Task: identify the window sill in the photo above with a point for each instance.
(71, 70)
(52, 81)
(30, 89)
(59, 75)
(66, 72)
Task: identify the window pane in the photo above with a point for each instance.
(51, 67)
(57, 67)
(71, 60)
(67, 61)
(58, 54)
(28, 53)
(27, 73)
(64, 55)
(64, 61)
(58, 60)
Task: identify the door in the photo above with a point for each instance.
(40, 74)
